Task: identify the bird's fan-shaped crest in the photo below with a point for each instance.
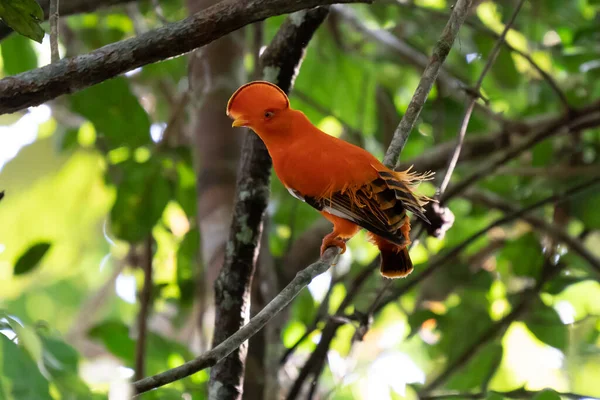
(256, 93)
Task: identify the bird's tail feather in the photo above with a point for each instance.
(395, 261)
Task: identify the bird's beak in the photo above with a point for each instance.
(239, 122)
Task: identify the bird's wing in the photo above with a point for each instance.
(378, 206)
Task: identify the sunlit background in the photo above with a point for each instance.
(84, 292)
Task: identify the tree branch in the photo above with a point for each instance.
(471, 104)
(37, 86)
(54, 54)
(482, 29)
(313, 365)
(68, 7)
(142, 321)
(451, 254)
(512, 394)
(577, 120)
(211, 357)
(451, 85)
(440, 52)
(279, 64)
(527, 297)
(576, 246)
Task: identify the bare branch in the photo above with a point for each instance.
(483, 29)
(576, 246)
(314, 364)
(211, 357)
(471, 104)
(54, 54)
(142, 321)
(440, 52)
(527, 298)
(513, 394)
(574, 121)
(451, 85)
(440, 261)
(37, 86)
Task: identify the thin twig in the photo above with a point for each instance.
(440, 52)
(452, 85)
(211, 357)
(471, 104)
(574, 244)
(572, 122)
(159, 11)
(482, 29)
(513, 394)
(317, 357)
(54, 54)
(552, 171)
(527, 297)
(455, 251)
(142, 320)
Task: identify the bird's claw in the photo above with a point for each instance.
(333, 242)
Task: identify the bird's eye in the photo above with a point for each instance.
(268, 114)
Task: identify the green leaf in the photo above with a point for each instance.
(116, 337)
(304, 308)
(586, 209)
(31, 258)
(479, 370)
(558, 284)
(545, 323)
(503, 70)
(17, 55)
(20, 377)
(24, 16)
(187, 264)
(141, 199)
(547, 394)
(115, 112)
(525, 255)
(61, 361)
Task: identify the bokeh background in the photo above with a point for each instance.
(145, 161)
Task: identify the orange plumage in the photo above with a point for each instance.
(348, 185)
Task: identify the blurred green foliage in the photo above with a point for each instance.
(95, 184)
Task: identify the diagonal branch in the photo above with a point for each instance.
(577, 120)
(451, 85)
(575, 245)
(73, 74)
(527, 297)
(145, 307)
(440, 52)
(471, 104)
(211, 357)
(486, 31)
(521, 393)
(279, 64)
(455, 251)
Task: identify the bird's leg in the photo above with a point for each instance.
(333, 240)
(342, 231)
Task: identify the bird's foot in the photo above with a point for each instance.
(333, 242)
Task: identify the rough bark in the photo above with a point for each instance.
(69, 75)
(279, 63)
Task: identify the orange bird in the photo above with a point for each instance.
(348, 185)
